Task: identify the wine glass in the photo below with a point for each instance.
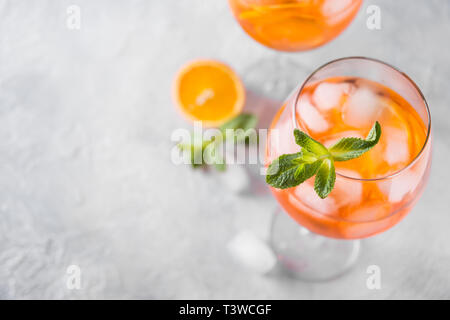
(294, 25)
(318, 238)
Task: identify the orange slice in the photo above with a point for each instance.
(209, 91)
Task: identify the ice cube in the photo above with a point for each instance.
(235, 178)
(397, 147)
(281, 139)
(306, 194)
(369, 212)
(252, 252)
(397, 187)
(310, 116)
(329, 95)
(402, 184)
(347, 191)
(362, 108)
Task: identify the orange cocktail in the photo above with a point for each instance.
(294, 25)
(373, 192)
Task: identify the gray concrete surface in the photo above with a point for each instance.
(85, 171)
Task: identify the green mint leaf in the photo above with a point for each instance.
(243, 121)
(204, 152)
(194, 150)
(213, 155)
(325, 178)
(350, 148)
(242, 128)
(313, 146)
(290, 170)
(220, 166)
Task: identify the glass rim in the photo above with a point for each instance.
(419, 154)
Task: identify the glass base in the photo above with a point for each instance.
(308, 256)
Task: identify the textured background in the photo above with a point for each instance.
(85, 171)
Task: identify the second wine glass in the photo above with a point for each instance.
(294, 25)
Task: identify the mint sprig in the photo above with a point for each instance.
(203, 152)
(325, 178)
(290, 170)
(244, 121)
(350, 148)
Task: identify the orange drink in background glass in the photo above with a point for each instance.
(294, 25)
(373, 192)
